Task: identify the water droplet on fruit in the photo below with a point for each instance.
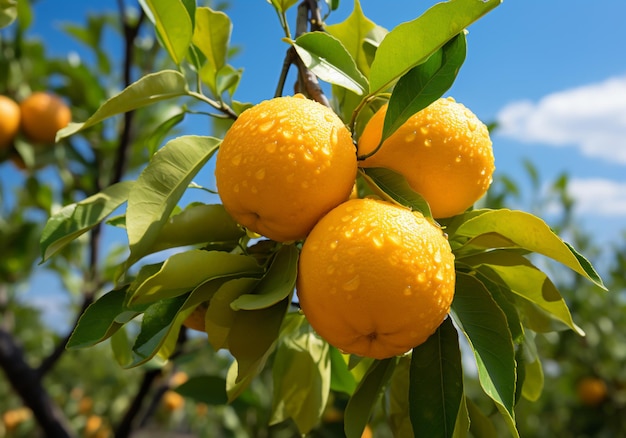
(424, 130)
(288, 135)
(352, 284)
(458, 159)
(330, 269)
(236, 188)
(407, 291)
(437, 257)
(410, 137)
(265, 127)
(334, 138)
(421, 277)
(236, 160)
(348, 233)
(439, 275)
(270, 147)
(259, 174)
(378, 241)
(471, 124)
(428, 143)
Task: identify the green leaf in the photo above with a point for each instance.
(302, 373)
(529, 232)
(282, 5)
(480, 424)
(341, 379)
(98, 322)
(121, 347)
(212, 36)
(395, 56)
(518, 275)
(352, 33)
(184, 271)
(533, 379)
(397, 416)
(76, 219)
(210, 390)
(276, 285)
(424, 84)
(252, 339)
(157, 323)
(159, 188)
(485, 326)
(394, 187)
(173, 20)
(156, 137)
(220, 316)
(436, 383)
(366, 395)
(329, 60)
(151, 88)
(198, 224)
(8, 12)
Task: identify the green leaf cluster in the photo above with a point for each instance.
(246, 284)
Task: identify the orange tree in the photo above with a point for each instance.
(247, 284)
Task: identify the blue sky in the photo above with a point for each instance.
(552, 73)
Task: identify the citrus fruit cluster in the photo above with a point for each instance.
(39, 116)
(375, 279)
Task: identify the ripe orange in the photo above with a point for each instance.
(43, 114)
(444, 152)
(375, 279)
(9, 121)
(195, 320)
(12, 418)
(173, 401)
(591, 391)
(283, 165)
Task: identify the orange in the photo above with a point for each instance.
(195, 320)
(43, 114)
(283, 165)
(444, 152)
(9, 121)
(12, 418)
(375, 279)
(173, 401)
(591, 391)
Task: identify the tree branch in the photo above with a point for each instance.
(26, 382)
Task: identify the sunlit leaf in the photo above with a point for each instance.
(393, 186)
(329, 60)
(277, 283)
(151, 88)
(282, 5)
(220, 316)
(352, 33)
(121, 347)
(480, 424)
(196, 224)
(98, 322)
(528, 232)
(251, 340)
(518, 275)
(436, 383)
(159, 188)
(212, 36)
(8, 12)
(73, 220)
(533, 379)
(424, 84)
(432, 30)
(302, 373)
(173, 20)
(341, 379)
(366, 395)
(485, 326)
(184, 271)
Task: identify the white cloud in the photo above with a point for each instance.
(591, 118)
(599, 197)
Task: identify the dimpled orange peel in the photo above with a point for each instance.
(284, 164)
(375, 279)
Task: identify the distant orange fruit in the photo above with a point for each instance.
(591, 391)
(173, 401)
(444, 151)
(195, 320)
(283, 165)
(375, 279)
(9, 121)
(43, 114)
